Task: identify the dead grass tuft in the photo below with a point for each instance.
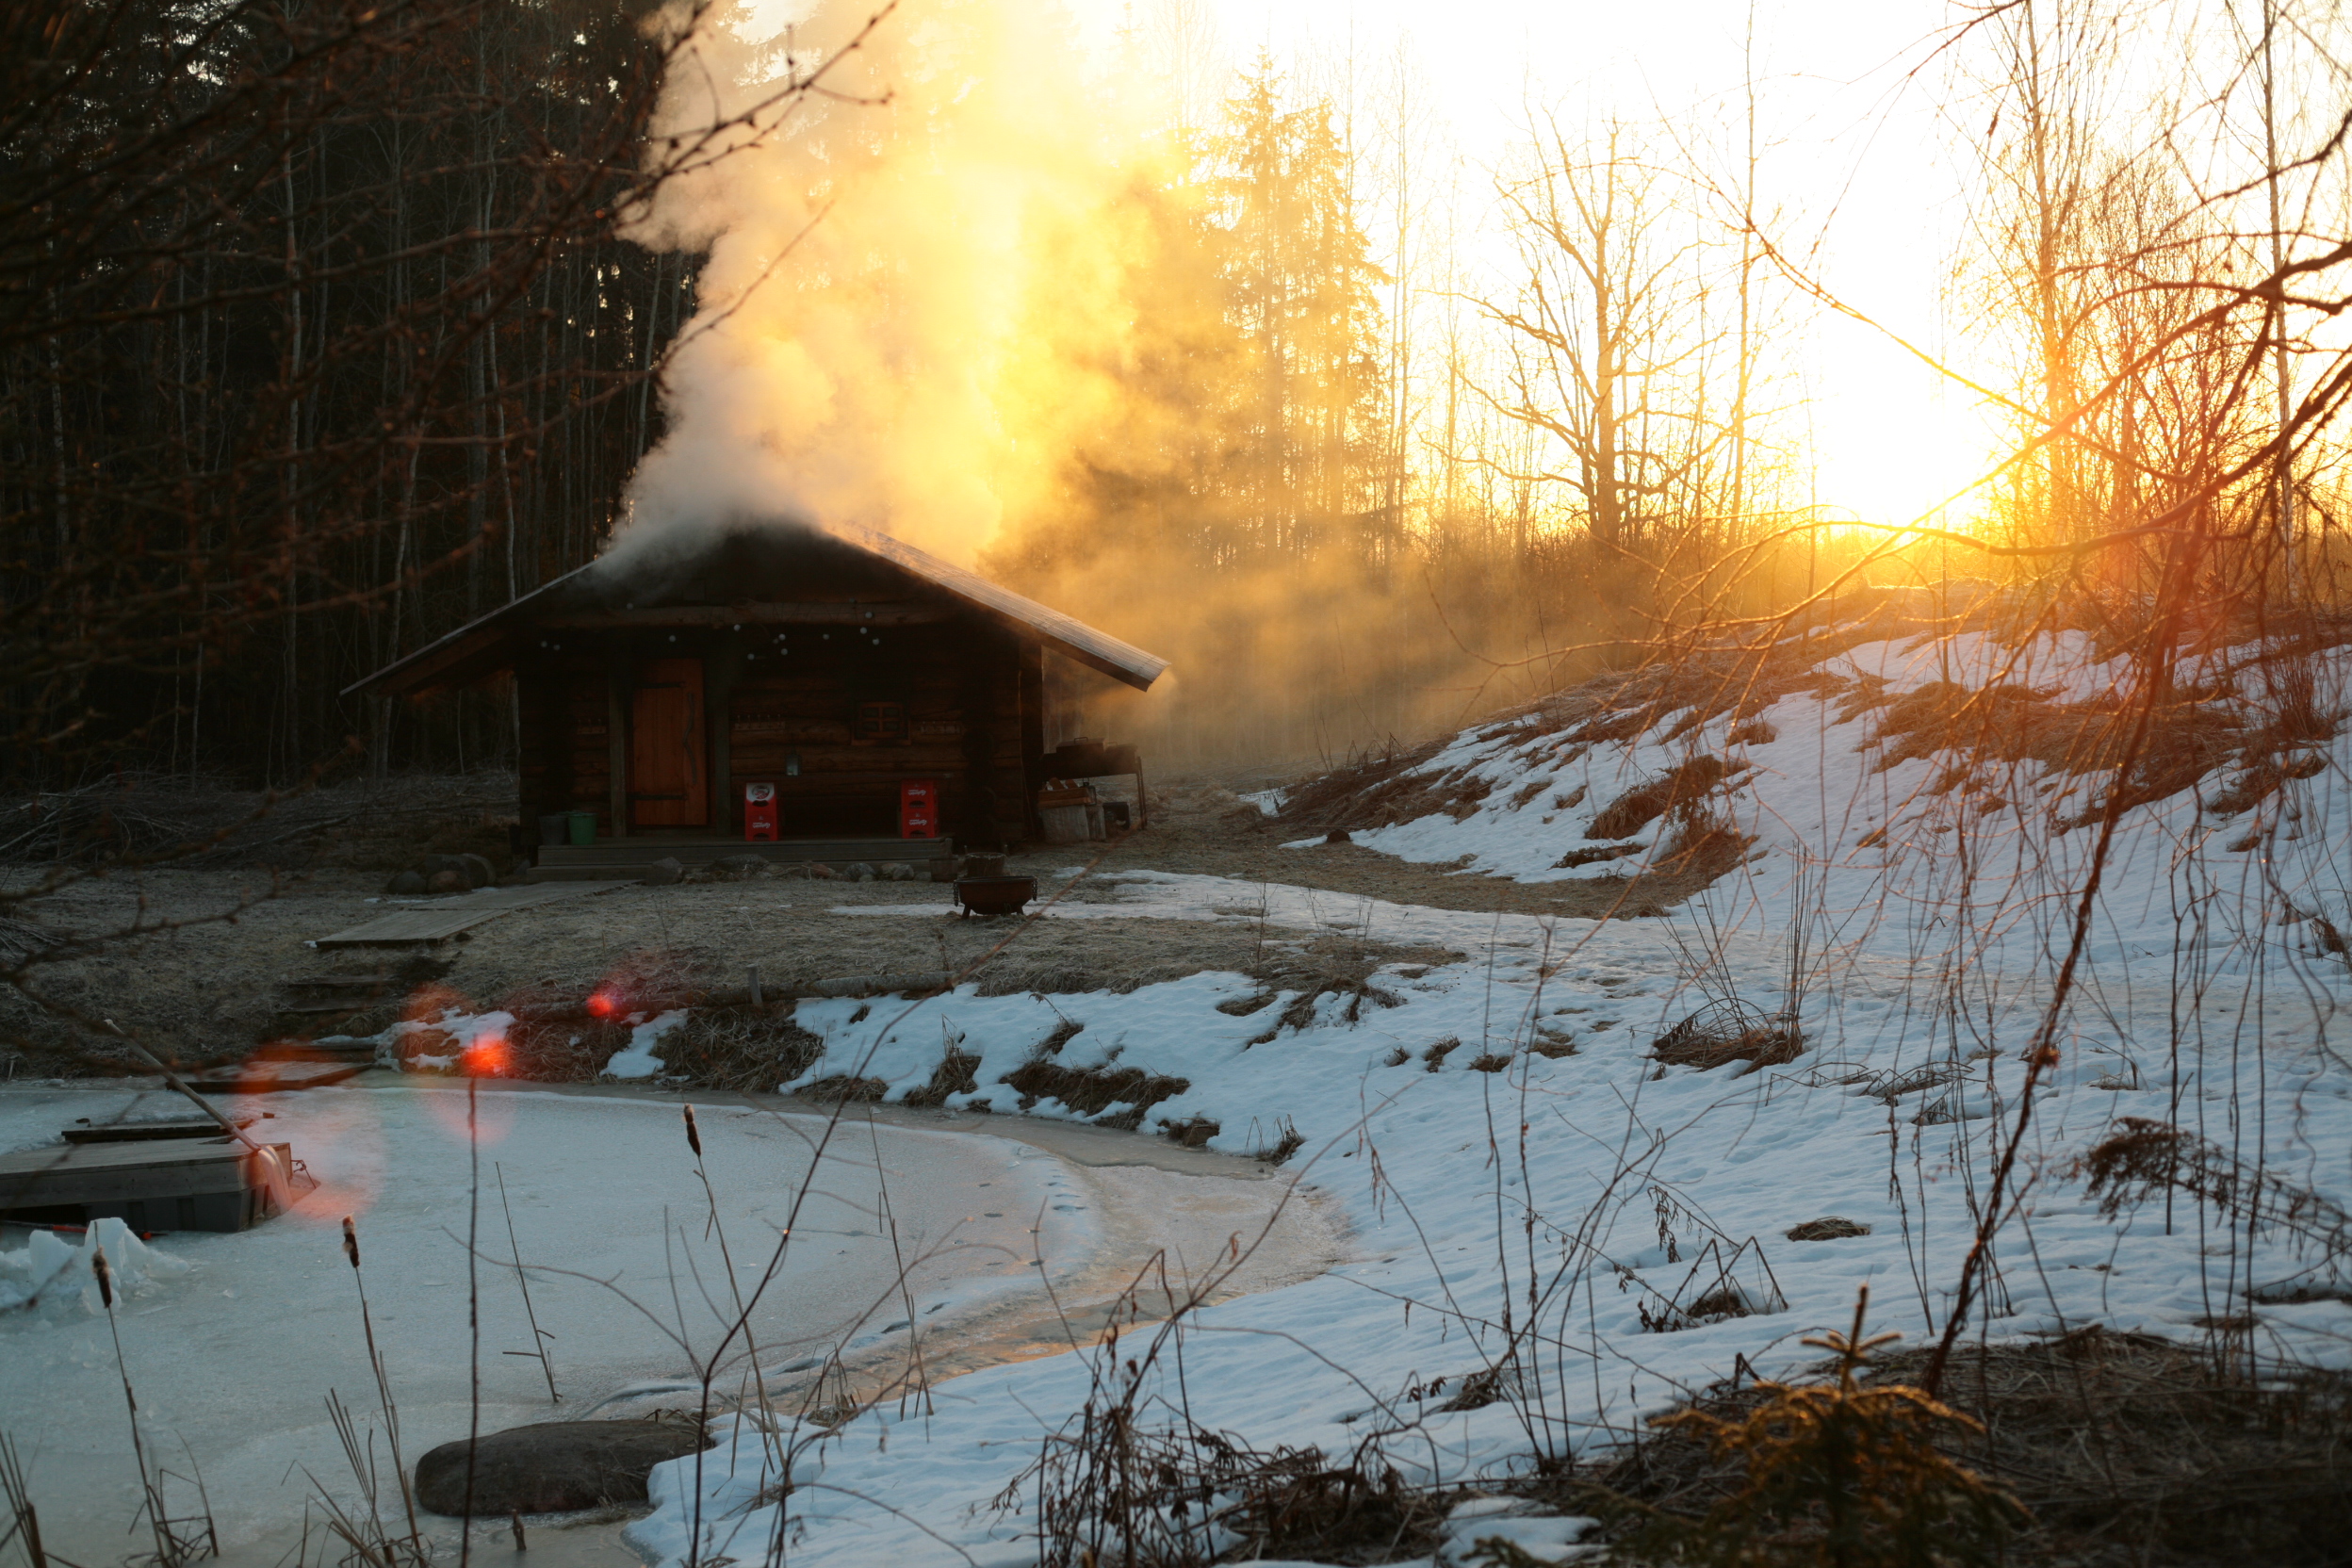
(1645, 803)
(1725, 1032)
(1092, 1091)
(2126, 1451)
(1705, 842)
(953, 1075)
(555, 1050)
(740, 1049)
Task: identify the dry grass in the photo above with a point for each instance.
(842, 1088)
(1092, 1091)
(953, 1075)
(1725, 1032)
(2125, 1450)
(1648, 801)
(745, 1049)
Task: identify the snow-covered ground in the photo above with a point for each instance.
(1505, 1146)
(1925, 933)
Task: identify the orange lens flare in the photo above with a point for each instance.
(606, 1003)
(488, 1057)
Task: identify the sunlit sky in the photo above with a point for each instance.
(1857, 153)
(1854, 155)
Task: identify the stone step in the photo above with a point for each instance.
(612, 858)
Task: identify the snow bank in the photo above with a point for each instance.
(51, 1279)
(1535, 1195)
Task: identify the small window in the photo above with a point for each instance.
(881, 724)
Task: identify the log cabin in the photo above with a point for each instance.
(836, 664)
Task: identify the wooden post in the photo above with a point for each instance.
(617, 683)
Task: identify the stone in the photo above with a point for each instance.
(408, 884)
(1828, 1227)
(897, 871)
(735, 868)
(664, 872)
(797, 871)
(1339, 836)
(857, 871)
(819, 870)
(444, 882)
(476, 871)
(553, 1468)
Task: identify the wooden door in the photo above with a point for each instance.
(668, 781)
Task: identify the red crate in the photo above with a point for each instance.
(919, 808)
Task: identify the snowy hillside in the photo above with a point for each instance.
(1574, 1159)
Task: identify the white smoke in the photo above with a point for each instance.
(912, 309)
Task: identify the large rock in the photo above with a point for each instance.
(553, 1467)
(664, 872)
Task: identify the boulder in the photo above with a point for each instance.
(897, 871)
(476, 871)
(664, 872)
(824, 872)
(857, 871)
(553, 1467)
(408, 884)
(737, 867)
(446, 882)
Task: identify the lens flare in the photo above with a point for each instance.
(488, 1057)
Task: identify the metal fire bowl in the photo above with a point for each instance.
(994, 895)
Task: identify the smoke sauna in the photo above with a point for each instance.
(792, 691)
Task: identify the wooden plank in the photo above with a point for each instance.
(261, 1076)
(442, 920)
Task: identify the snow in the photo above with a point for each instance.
(1914, 934)
(1614, 1189)
(637, 1059)
(49, 1278)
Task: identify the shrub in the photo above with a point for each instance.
(1842, 1475)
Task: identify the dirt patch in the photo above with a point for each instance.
(1199, 826)
(354, 825)
(203, 989)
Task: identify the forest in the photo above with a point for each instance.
(330, 328)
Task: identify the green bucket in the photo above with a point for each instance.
(583, 827)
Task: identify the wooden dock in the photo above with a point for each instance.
(164, 1185)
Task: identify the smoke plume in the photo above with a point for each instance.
(912, 308)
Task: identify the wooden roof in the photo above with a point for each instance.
(742, 574)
